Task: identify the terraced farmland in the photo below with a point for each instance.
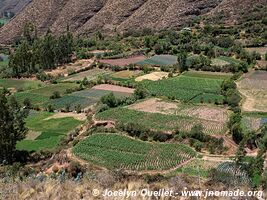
(159, 60)
(253, 87)
(121, 152)
(46, 133)
(84, 98)
(185, 88)
(20, 84)
(162, 122)
(90, 75)
(41, 95)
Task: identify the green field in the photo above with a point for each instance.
(211, 75)
(121, 152)
(42, 95)
(84, 98)
(230, 60)
(161, 122)
(48, 131)
(159, 60)
(186, 87)
(20, 84)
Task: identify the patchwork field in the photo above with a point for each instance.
(84, 98)
(187, 88)
(154, 76)
(121, 152)
(46, 131)
(41, 95)
(123, 61)
(254, 88)
(20, 84)
(167, 119)
(159, 60)
(90, 75)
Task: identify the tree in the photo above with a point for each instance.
(12, 127)
(140, 92)
(110, 100)
(182, 58)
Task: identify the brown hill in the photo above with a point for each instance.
(85, 17)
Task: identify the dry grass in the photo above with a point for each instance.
(80, 116)
(125, 74)
(154, 76)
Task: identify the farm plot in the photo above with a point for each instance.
(41, 95)
(261, 50)
(161, 122)
(125, 74)
(205, 112)
(20, 84)
(154, 76)
(90, 75)
(159, 60)
(123, 61)
(230, 60)
(185, 88)
(232, 173)
(211, 75)
(198, 168)
(46, 133)
(84, 98)
(121, 152)
(114, 88)
(254, 88)
(65, 70)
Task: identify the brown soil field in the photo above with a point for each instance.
(155, 105)
(114, 88)
(261, 50)
(154, 76)
(65, 70)
(253, 87)
(123, 61)
(207, 113)
(125, 74)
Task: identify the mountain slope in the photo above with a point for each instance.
(85, 17)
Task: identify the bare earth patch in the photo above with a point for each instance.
(155, 105)
(80, 116)
(32, 135)
(254, 90)
(65, 70)
(123, 61)
(154, 76)
(207, 113)
(114, 88)
(125, 74)
(261, 50)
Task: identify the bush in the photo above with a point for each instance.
(110, 100)
(55, 95)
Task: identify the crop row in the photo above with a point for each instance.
(122, 152)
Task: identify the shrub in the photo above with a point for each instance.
(55, 95)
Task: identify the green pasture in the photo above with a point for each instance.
(52, 130)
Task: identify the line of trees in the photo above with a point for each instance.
(45, 53)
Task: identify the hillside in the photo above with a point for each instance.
(85, 17)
